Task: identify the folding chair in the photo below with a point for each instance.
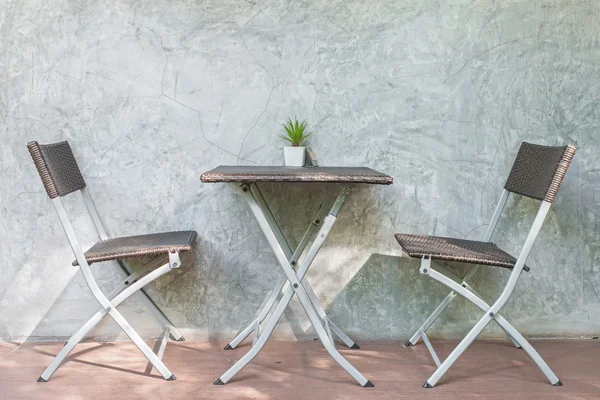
(61, 176)
(536, 173)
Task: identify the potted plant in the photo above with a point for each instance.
(295, 134)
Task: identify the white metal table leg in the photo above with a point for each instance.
(279, 286)
(239, 338)
(272, 297)
(260, 342)
(270, 301)
(287, 249)
(295, 279)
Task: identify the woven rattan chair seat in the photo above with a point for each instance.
(449, 249)
(141, 245)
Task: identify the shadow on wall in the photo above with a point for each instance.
(295, 207)
(373, 305)
(375, 297)
(70, 311)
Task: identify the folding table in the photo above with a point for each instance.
(342, 180)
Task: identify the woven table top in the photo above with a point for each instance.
(235, 173)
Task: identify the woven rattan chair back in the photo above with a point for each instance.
(539, 170)
(57, 167)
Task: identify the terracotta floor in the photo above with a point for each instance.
(300, 370)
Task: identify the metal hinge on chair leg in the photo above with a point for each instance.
(174, 261)
(434, 355)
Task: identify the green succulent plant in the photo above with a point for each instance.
(295, 131)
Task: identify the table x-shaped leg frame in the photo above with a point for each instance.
(282, 284)
(288, 260)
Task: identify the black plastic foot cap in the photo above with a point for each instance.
(355, 347)
(368, 384)
(181, 339)
(40, 379)
(172, 378)
(228, 347)
(219, 382)
(408, 344)
(427, 385)
(559, 383)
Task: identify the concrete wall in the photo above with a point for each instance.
(438, 94)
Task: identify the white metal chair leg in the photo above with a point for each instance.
(71, 343)
(414, 339)
(465, 285)
(163, 343)
(153, 308)
(441, 308)
(432, 318)
(458, 350)
(141, 345)
(514, 342)
(148, 302)
(115, 301)
(511, 331)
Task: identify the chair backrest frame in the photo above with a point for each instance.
(57, 167)
(55, 185)
(56, 188)
(538, 171)
(562, 164)
(79, 255)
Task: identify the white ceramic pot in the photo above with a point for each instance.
(294, 156)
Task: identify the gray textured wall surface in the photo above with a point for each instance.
(438, 94)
